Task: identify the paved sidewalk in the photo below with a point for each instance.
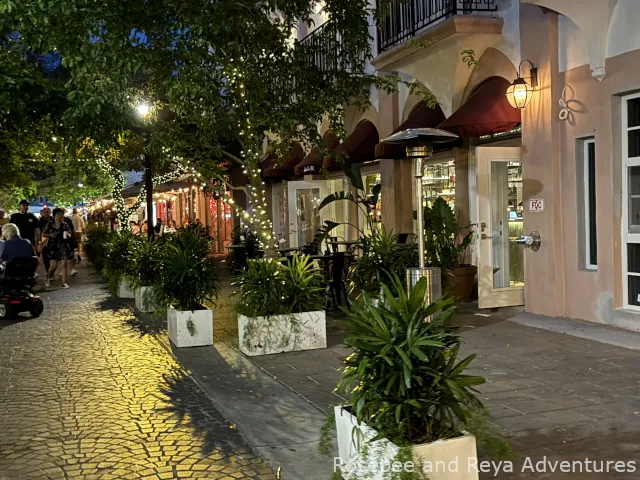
(86, 393)
(554, 395)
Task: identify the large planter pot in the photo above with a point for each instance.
(143, 300)
(282, 333)
(190, 328)
(460, 281)
(123, 289)
(452, 459)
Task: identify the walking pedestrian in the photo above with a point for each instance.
(78, 227)
(27, 223)
(45, 219)
(59, 234)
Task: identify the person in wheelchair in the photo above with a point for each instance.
(18, 264)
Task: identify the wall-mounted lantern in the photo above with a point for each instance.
(520, 92)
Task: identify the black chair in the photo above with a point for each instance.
(337, 286)
(402, 238)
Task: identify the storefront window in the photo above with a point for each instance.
(375, 213)
(439, 181)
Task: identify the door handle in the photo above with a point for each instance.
(485, 237)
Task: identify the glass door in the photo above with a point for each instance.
(304, 216)
(500, 216)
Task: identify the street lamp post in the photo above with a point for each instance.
(144, 111)
(419, 144)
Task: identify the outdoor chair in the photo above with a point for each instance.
(337, 287)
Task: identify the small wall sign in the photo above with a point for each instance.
(536, 205)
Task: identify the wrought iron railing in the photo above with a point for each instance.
(406, 18)
(327, 51)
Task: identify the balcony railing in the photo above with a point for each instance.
(407, 18)
(326, 50)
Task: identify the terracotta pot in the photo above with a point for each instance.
(460, 281)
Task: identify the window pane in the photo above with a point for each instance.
(634, 199)
(633, 257)
(634, 290)
(633, 112)
(591, 204)
(634, 143)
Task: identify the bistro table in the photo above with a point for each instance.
(347, 243)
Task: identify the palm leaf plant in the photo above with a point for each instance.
(186, 275)
(142, 267)
(117, 257)
(269, 288)
(405, 378)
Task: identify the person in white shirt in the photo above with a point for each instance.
(78, 227)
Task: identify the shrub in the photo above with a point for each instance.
(143, 265)
(404, 377)
(117, 259)
(186, 276)
(269, 288)
(94, 245)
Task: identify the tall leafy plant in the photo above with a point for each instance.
(143, 270)
(269, 288)
(446, 242)
(117, 258)
(94, 245)
(405, 378)
(187, 276)
(363, 201)
(382, 258)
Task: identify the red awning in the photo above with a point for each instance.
(422, 116)
(312, 163)
(359, 147)
(486, 112)
(286, 169)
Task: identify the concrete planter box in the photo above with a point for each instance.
(282, 333)
(453, 459)
(143, 300)
(123, 290)
(178, 327)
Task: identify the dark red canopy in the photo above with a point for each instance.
(486, 112)
(422, 116)
(287, 166)
(359, 147)
(312, 163)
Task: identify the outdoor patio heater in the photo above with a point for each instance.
(419, 143)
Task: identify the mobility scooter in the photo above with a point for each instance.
(17, 278)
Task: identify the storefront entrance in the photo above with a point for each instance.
(500, 223)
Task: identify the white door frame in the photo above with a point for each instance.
(488, 296)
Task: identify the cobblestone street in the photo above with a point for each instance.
(86, 393)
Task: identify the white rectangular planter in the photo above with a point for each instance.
(453, 459)
(123, 290)
(178, 326)
(143, 300)
(282, 333)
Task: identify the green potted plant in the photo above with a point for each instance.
(447, 246)
(381, 258)
(280, 307)
(143, 271)
(94, 244)
(187, 280)
(410, 397)
(116, 265)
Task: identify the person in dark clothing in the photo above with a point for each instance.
(59, 234)
(14, 245)
(45, 218)
(27, 223)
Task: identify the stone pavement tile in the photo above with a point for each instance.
(508, 386)
(92, 392)
(540, 420)
(549, 404)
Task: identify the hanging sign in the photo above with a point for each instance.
(536, 205)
